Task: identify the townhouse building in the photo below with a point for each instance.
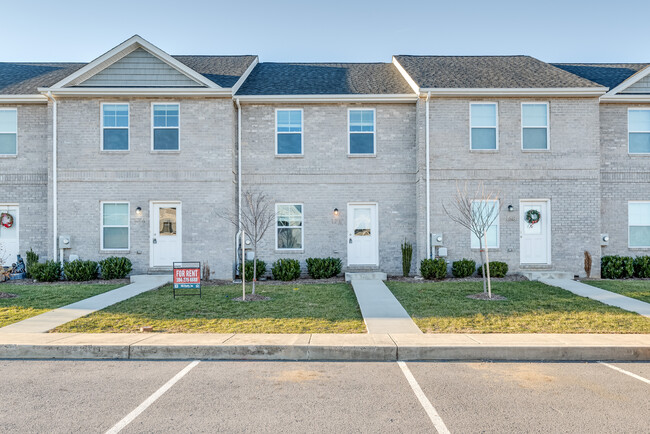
(138, 153)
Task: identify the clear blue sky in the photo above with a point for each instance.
(330, 30)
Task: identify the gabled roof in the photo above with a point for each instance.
(325, 79)
(488, 72)
(606, 74)
(23, 78)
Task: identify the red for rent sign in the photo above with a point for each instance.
(187, 276)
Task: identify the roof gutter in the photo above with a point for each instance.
(55, 207)
(561, 91)
(428, 185)
(137, 91)
(388, 98)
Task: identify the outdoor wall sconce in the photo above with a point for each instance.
(511, 208)
(138, 212)
(336, 212)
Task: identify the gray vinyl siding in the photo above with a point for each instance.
(641, 86)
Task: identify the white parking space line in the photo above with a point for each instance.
(616, 368)
(428, 407)
(147, 402)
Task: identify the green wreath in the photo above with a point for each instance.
(532, 216)
(6, 220)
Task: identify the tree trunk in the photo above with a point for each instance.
(480, 246)
(487, 265)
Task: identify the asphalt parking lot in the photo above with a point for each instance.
(209, 396)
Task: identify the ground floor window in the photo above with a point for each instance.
(638, 224)
(115, 226)
(289, 226)
(489, 209)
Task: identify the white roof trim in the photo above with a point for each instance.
(560, 91)
(23, 99)
(637, 76)
(126, 47)
(625, 98)
(137, 91)
(245, 75)
(389, 98)
(406, 76)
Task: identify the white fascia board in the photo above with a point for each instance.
(137, 91)
(406, 76)
(127, 47)
(389, 98)
(628, 98)
(245, 75)
(561, 91)
(22, 99)
(630, 81)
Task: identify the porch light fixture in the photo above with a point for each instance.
(336, 212)
(511, 208)
(138, 212)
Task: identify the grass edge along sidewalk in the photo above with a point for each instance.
(531, 307)
(633, 288)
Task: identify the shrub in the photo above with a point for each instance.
(463, 268)
(115, 268)
(261, 269)
(616, 267)
(48, 271)
(286, 269)
(323, 268)
(642, 266)
(80, 271)
(433, 268)
(31, 259)
(407, 255)
(497, 269)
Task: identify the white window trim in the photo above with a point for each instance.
(302, 233)
(548, 126)
(629, 238)
(11, 109)
(102, 226)
(496, 127)
(498, 223)
(374, 133)
(628, 130)
(302, 132)
(101, 130)
(168, 151)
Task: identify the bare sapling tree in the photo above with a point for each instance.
(257, 216)
(476, 212)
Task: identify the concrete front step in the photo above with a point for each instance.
(539, 275)
(369, 275)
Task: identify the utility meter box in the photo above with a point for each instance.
(65, 242)
(436, 240)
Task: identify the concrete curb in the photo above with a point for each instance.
(366, 347)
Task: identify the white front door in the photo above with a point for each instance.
(362, 234)
(9, 236)
(535, 237)
(167, 234)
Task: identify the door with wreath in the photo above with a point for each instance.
(535, 232)
(8, 234)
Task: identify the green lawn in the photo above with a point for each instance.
(639, 289)
(532, 307)
(33, 300)
(293, 308)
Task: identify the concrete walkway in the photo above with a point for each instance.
(381, 311)
(606, 297)
(54, 318)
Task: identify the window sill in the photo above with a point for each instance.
(638, 154)
(362, 155)
(491, 249)
(110, 252)
(535, 151)
(8, 156)
(120, 151)
(289, 155)
(288, 251)
(639, 248)
(484, 151)
(162, 151)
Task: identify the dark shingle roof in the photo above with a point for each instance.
(605, 74)
(324, 79)
(24, 78)
(481, 72)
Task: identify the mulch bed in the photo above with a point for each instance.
(508, 278)
(484, 296)
(68, 282)
(303, 281)
(252, 297)
(8, 295)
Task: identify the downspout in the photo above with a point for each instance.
(55, 208)
(428, 186)
(238, 236)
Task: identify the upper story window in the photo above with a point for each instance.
(489, 209)
(483, 125)
(166, 127)
(638, 127)
(361, 131)
(115, 226)
(534, 126)
(288, 132)
(638, 215)
(115, 127)
(8, 131)
(288, 229)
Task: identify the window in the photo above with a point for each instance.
(115, 226)
(534, 126)
(288, 228)
(288, 128)
(488, 208)
(638, 215)
(115, 127)
(483, 126)
(361, 131)
(8, 131)
(166, 127)
(638, 127)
